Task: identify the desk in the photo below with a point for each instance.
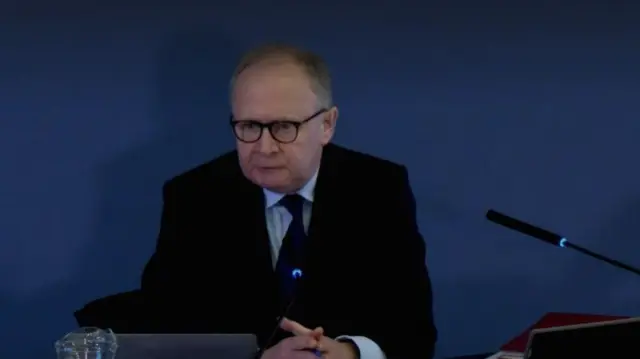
(474, 356)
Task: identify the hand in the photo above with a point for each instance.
(301, 346)
(298, 329)
(329, 348)
(297, 347)
(333, 349)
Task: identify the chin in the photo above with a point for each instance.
(275, 186)
(275, 181)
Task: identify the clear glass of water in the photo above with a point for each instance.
(87, 343)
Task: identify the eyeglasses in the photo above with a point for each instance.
(285, 131)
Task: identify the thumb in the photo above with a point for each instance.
(317, 333)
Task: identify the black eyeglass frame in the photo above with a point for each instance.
(270, 125)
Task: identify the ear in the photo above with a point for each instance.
(329, 125)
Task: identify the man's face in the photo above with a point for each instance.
(280, 91)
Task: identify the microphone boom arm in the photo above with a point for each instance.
(613, 262)
(552, 238)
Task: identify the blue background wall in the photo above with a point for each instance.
(531, 109)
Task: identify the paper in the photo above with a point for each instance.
(506, 355)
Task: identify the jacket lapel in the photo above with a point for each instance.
(252, 231)
(257, 231)
(324, 226)
(323, 198)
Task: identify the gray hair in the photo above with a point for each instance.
(312, 64)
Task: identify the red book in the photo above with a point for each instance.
(549, 320)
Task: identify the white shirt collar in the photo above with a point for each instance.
(272, 198)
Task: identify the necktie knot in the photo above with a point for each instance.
(293, 203)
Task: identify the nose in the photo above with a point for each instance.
(267, 144)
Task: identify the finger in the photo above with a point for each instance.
(318, 353)
(317, 333)
(294, 327)
(305, 354)
(326, 344)
(302, 343)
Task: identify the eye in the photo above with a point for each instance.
(248, 125)
(285, 126)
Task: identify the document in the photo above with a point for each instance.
(507, 355)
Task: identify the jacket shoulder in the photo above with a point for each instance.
(220, 170)
(362, 164)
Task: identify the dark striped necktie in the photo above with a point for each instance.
(289, 264)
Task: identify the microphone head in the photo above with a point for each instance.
(296, 273)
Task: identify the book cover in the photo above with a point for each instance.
(549, 320)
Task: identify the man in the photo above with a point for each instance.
(290, 220)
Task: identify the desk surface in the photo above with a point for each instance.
(474, 356)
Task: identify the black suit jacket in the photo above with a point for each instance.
(365, 272)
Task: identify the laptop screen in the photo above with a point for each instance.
(181, 346)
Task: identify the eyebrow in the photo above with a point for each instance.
(283, 118)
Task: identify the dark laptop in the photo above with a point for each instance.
(182, 346)
(606, 340)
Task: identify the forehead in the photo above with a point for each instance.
(273, 90)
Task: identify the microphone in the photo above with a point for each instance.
(551, 238)
(296, 273)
